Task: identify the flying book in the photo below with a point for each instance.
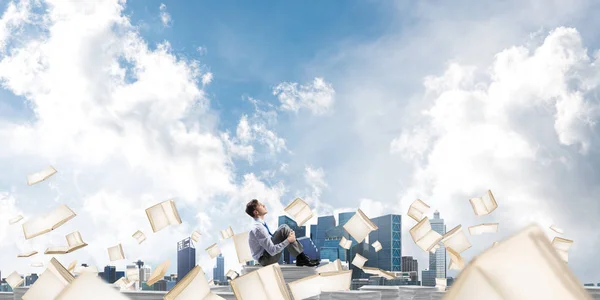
(425, 237)
(242, 247)
(139, 236)
(46, 223)
(417, 210)
(90, 287)
(359, 226)
(483, 228)
(15, 219)
(300, 211)
(379, 272)
(562, 247)
(231, 274)
(27, 254)
(163, 215)
(227, 233)
(213, 250)
(313, 285)
(82, 269)
(484, 205)
(40, 176)
(457, 262)
(158, 273)
(116, 253)
(456, 239)
(14, 280)
(72, 266)
(195, 236)
(37, 264)
(333, 266)
(377, 246)
(523, 267)
(52, 281)
(440, 284)
(345, 243)
(359, 260)
(124, 284)
(193, 286)
(132, 274)
(556, 229)
(265, 283)
(74, 242)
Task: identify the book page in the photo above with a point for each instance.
(213, 250)
(456, 260)
(440, 284)
(162, 215)
(456, 239)
(336, 281)
(516, 269)
(299, 211)
(116, 253)
(304, 215)
(158, 273)
(14, 280)
(306, 287)
(231, 274)
(60, 271)
(333, 266)
(483, 228)
(46, 287)
(191, 287)
(139, 236)
(227, 233)
(359, 260)
(57, 250)
(72, 266)
(273, 283)
(359, 226)
(242, 247)
(484, 205)
(48, 222)
(40, 176)
(15, 219)
(249, 287)
(424, 236)
(417, 210)
(195, 236)
(90, 287)
(345, 243)
(37, 264)
(377, 246)
(27, 254)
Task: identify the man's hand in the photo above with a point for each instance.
(291, 237)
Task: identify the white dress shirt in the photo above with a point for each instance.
(260, 241)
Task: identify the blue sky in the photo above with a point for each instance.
(391, 101)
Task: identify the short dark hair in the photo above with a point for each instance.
(251, 207)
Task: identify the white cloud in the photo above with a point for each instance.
(317, 96)
(165, 18)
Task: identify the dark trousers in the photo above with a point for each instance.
(279, 236)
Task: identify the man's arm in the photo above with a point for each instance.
(265, 242)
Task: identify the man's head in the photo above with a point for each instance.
(256, 209)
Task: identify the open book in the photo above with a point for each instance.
(523, 267)
(345, 243)
(379, 272)
(242, 247)
(213, 250)
(484, 205)
(227, 233)
(359, 260)
(15, 219)
(90, 287)
(162, 215)
(265, 283)
(192, 286)
(440, 284)
(139, 236)
(457, 262)
(27, 254)
(483, 228)
(562, 247)
(232, 274)
(417, 210)
(48, 222)
(300, 211)
(14, 280)
(313, 285)
(158, 273)
(52, 281)
(40, 176)
(425, 237)
(359, 226)
(456, 239)
(195, 236)
(74, 242)
(333, 266)
(116, 253)
(377, 246)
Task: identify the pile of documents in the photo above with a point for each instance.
(416, 292)
(387, 291)
(347, 295)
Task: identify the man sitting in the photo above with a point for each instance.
(266, 247)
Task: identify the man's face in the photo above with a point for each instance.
(261, 209)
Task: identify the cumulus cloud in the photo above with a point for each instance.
(165, 17)
(317, 96)
(525, 130)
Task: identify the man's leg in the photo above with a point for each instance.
(266, 259)
(281, 234)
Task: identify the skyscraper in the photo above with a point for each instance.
(389, 258)
(145, 272)
(219, 269)
(437, 260)
(29, 280)
(186, 257)
(324, 223)
(110, 274)
(300, 232)
(409, 264)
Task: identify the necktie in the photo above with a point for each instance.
(269, 231)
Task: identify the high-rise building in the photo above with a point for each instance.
(120, 274)
(313, 232)
(324, 223)
(29, 280)
(361, 248)
(145, 272)
(186, 257)
(428, 278)
(129, 269)
(219, 269)
(110, 274)
(437, 260)
(300, 232)
(389, 258)
(409, 264)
